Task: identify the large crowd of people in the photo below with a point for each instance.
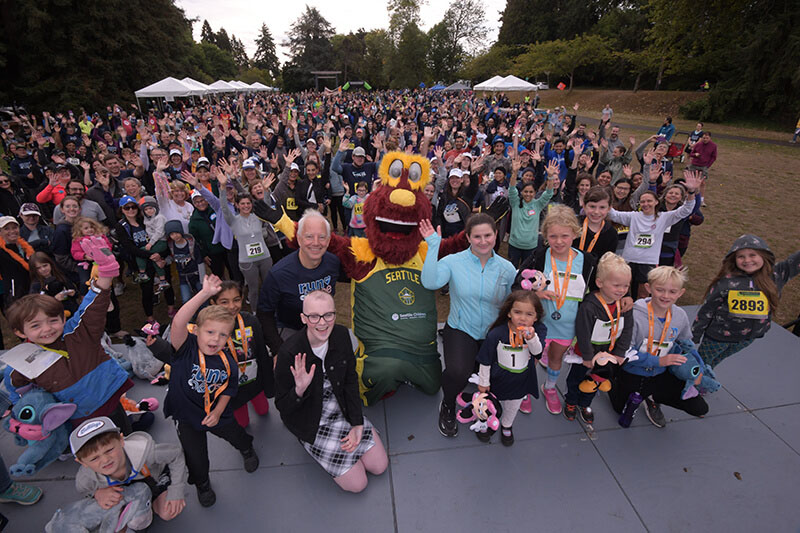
(264, 202)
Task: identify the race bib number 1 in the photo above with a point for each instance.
(644, 240)
(512, 359)
(748, 304)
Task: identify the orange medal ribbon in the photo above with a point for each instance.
(614, 322)
(207, 400)
(650, 326)
(585, 231)
(561, 295)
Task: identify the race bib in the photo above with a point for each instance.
(577, 285)
(255, 249)
(601, 333)
(512, 359)
(643, 240)
(531, 212)
(291, 205)
(30, 360)
(663, 348)
(248, 371)
(748, 304)
(358, 209)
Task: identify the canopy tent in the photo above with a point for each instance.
(513, 83)
(437, 87)
(240, 86)
(220, 86)
(258, 86)
(166, 88)
(457, 86)
(201, 88)
(488, 84)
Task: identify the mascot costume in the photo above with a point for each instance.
(393, 316)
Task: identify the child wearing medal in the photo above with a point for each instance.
(600, 327)
(203, 381)
(597, 235)
(505, 358)
(569, 272)
(741, 299)
(657, 324)
(256, 379)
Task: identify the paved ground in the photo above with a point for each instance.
(735, 470)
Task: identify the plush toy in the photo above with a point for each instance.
(133, 511)
(394, 316)
(691, 369)
(482, 408)
(37, 421)
(533, 280)
(141, 356)
(599, 377)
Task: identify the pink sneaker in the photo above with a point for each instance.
(551, 400)
(525, 406)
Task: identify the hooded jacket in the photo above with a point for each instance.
(714, 318)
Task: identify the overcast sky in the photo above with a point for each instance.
(244, 18)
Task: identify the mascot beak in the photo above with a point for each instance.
(403, 197)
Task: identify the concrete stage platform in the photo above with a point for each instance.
(735, 470)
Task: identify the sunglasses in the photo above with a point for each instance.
(128, 207)
(4, 182)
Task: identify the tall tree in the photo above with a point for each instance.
(495, 61)
(266, 57)
(377, 52)
(222, 40)
(349, 53)
(406, 69)
(563, 58)
(401, 14)
(309, 41)
(445, 56)
(529, 21)
(239, 54)
(207, 35)
(466, 24)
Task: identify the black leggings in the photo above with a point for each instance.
(195, 445)
(147, 290)
(218, 264)
(460, 351)
(337, 212)
(665, 388)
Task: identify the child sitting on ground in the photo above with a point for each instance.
(110, 461)
(154, 224)
(203, 380)
(82, 373)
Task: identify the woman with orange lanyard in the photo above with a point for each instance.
(256, 379)
(657, 324)
(569, 271)
(204, 379)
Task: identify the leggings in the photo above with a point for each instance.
(460, 351)
(337, 213)
(714, 352)
(218, 264)
(510, 409)
(195, 445)
(147, 292)
(251, 272)
(665, 388)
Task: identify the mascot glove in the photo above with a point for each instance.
(97, 249)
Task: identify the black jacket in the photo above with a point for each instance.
(301, 415)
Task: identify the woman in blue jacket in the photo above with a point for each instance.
(479, 282)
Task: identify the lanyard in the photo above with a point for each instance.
(207, 400)
(516, 337)
(240, 322)
(650, 324)
(585, 231)
(561, 295)
(144, 471)
(62, 353)
(614, 323)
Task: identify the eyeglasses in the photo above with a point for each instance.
(314, 318)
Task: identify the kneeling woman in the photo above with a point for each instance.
(317, 394)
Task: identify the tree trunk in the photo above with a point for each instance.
(548, 78)
(661, 68)
(636, 83)
(571, 74)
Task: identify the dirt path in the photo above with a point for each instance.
(679, 134)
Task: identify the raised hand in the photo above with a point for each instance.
(302, 377)
(627, 170)
(552, 167)
(211, 285)
(426, 228)
(189, 178)
(97, 250)
(267, 182)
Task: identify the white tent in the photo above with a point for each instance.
(201, 88)
(220, 86)
(258, 86)
(240, 86)
(166, 88)
(488, 84)
(513, 83)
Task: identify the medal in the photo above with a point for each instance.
(556, 315)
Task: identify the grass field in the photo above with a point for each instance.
(753, 188)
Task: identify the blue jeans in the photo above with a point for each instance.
(517, 256)
(574, 395)
(190, 287)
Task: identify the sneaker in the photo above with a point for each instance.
(21, 493)
(485, 436)
(157, 289)
(447, 421)
(586, 415)
(526, 406)
(250, 460)
(570, 411)
(551, 400)
(163, 284)
(205, 494)
(654, 414)
(506, 436)
(141, 277)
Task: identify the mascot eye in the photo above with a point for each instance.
(414, 172)
(396, 168)
(27, 414)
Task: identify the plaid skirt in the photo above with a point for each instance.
(714, 352)
(327, 446)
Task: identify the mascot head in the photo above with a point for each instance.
(393, 211)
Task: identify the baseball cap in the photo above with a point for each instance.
(359, 151)
(88, 430)
(30, 209)
(294, 167)
(312, 140)
(203, 162)
(248, 163)
(5, 221)
(455, 172)
(175, 151)
(196, 194)
(127, 199)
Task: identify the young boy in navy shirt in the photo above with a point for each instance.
(203, 380)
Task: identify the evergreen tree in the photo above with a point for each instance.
(207, 34)
(239, 54)
(265, 57)
(309, 41)
(223, 42)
